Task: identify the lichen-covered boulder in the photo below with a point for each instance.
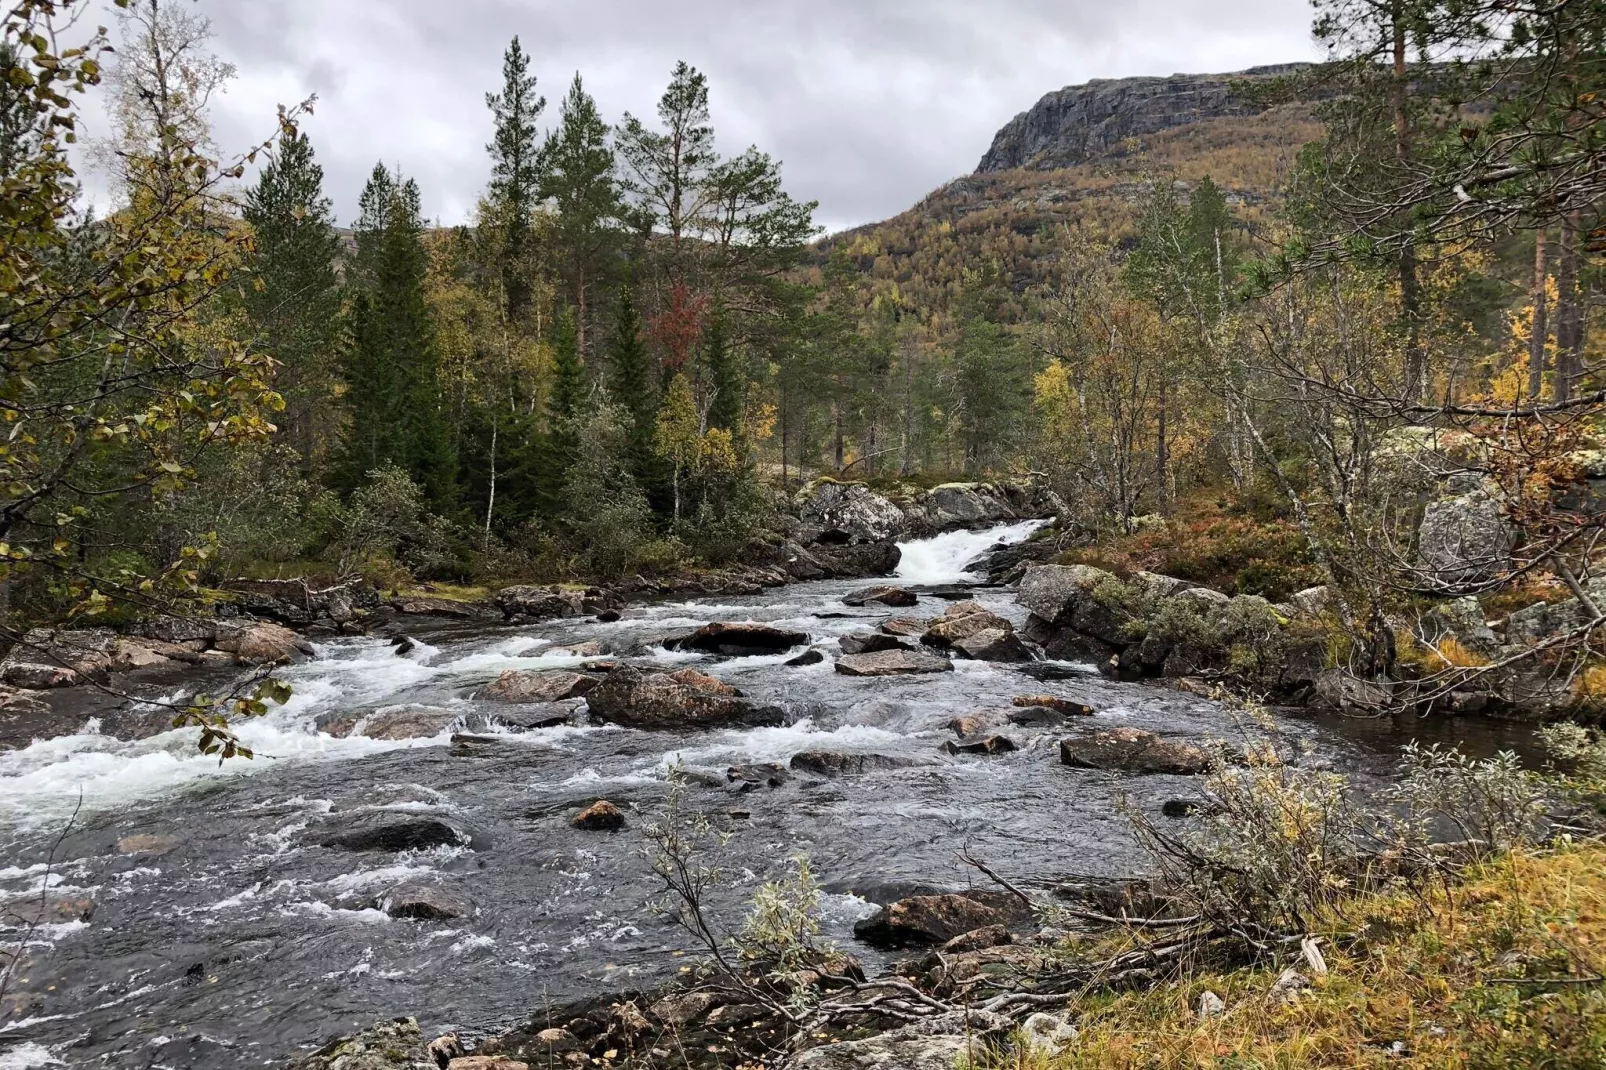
(635, 699)
(848, 512)
(892, 663)
(1465, 539)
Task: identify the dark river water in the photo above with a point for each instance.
(234, 940)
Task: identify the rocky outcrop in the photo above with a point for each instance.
(1465, 540)
(1085, 122)
(49, 658)
(938, 1043)
(535, 603)
(847, 513)
(686, 699)
(296, 603)
(393, 1045)
(892, 663)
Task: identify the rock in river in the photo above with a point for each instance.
(378, 830)
(739, 640)
(993, 644)
(523, 686)
(686, 699)
(834, 763)
(925, 919)
(892, 663)
(393, 1045)
(869, 643)
(600, 816)
(1132, 750)
(424, 902)
(885, 596)
(905, 626)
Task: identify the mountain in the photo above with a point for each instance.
(1081, 123)
(1080, 158)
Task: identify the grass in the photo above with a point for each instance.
(446, 592)
(1492, 973)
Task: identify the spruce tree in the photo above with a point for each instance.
(391, 373)
(293, 298)
(516, 172)
(577, 175)
(727, 386)
(630, 375)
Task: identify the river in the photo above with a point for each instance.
(223, 937)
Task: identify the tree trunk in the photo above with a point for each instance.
(1569, 311)
(1161, 460)
(1416, 371)
(490, 500)
(1541, 326)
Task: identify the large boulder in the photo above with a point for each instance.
(384, 830)
(992, 644)
(1465, 539)
(260, 643)
(860, 559)
(848, 513)
(925, 920)
(905, 626)
(1071, 596)
(958, 505)
(422, 902)
(1461, 619)
(961, 621)
(637, 699)
(892, 663)
(1132, 750)
(739, 640)
(525, 686)
(1536, 623)
(1343, 690)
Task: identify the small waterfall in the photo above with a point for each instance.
(944, 558)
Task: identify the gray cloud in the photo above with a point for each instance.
(871, 104)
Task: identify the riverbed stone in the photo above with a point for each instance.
(962, 621)
(836, 763)
(1132, 750)
(905, 626)
(600, 816)
(1068, 707)
(525, 686)
(925, 920)
(393, 725)
(808, 657)
(992, 644)
(892, 663)
(636, 699)
(380, 830)
(422, 902)
(739, 640)
(898, 597)
(986, 746)
(869, 643)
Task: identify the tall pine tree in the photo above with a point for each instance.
(516, 173)
(293, 297)
(631, 379)
(577, 175)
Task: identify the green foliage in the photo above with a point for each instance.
(609, 522)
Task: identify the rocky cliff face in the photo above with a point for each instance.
(1083, 122)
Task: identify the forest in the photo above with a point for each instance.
(640, 345)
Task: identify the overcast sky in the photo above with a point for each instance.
(870, 104)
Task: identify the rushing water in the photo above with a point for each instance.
(236, 939)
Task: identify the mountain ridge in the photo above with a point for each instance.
(1083, 123)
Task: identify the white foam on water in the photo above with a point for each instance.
(28, 1056)
(783, 743)
(942, 558)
